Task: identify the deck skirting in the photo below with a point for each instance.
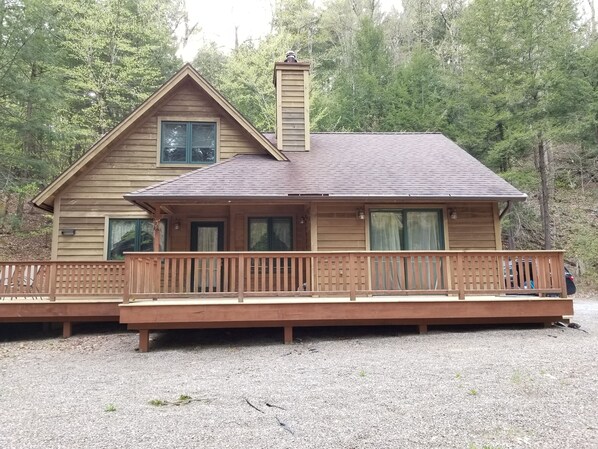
(160, 315)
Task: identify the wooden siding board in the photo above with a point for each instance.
(474, 227)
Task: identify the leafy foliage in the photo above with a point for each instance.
(514, 82)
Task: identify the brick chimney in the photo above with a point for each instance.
(291, 79)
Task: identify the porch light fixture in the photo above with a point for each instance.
(361, 214)
(177, 225)
(452, 214)
(303, 219)
(67, 232)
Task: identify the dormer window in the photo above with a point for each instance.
(188, 142)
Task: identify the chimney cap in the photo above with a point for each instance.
(291, 56)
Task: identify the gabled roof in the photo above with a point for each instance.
(397, 166)
(186, 72)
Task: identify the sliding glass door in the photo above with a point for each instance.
(406, 230)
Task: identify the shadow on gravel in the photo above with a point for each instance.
(214, 338)
(217, 338)
(11, 332)
(193, 339)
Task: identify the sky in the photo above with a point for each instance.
(217, 20)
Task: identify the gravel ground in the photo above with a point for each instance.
(492, 387)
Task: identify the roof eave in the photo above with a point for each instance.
(144, 201)
(187, 70)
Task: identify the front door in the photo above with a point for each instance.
(207, 236)
(206, 272)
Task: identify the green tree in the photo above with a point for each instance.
(521, 55)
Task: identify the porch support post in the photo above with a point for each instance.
(144, 340)
(157, 236)
(288, 335)
(422, 328)
(157, 240)
(313, 238)
(67, 329)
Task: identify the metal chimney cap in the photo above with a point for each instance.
(291, 56)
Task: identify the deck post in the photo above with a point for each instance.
(53, 281)
(288, 335)
(561, 265)
(241, 286)
(352, 281)
(460, 276)
(127, 276)
(67, 329)
(144, 340)
(422, 328)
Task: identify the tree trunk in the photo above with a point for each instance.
(544, 168)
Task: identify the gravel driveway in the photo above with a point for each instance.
(493, 387)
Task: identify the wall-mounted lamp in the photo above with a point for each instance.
(177, 225)
(360, 214)
(303, 219)
(68, 232)
(452, 214)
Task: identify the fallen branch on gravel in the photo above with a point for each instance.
(253, 406)
(284, 426)
(182, 400)
(275, 406)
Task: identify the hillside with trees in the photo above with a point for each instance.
(514, 82)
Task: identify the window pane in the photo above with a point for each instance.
(423, 230)
(122, 238)
(386, 228)
(146, 235)
(207, 238)
(203, 148)
(174, 142)
(258, 234)
(281, 239)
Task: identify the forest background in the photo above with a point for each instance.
(514, 82)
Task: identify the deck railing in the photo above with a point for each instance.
(361, 273)
(52, 279)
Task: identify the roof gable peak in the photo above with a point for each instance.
(45, 198)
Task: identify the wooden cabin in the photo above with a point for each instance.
(184, 215)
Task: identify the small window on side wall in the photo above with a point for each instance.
(131, 234)
(188, 143)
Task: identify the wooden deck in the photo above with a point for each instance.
(291, 312)
(153, 291)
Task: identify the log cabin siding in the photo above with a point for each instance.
(476, 227)
(339, 229)
(131, 164)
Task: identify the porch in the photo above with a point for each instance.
(168, 290)
(290, 289)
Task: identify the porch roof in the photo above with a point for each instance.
(398, 166)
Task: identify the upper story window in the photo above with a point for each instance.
(188, 143)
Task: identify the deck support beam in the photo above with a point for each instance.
(67, 329)
(144, 340)
(288, 335)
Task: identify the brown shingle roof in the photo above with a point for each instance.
(346, 165)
